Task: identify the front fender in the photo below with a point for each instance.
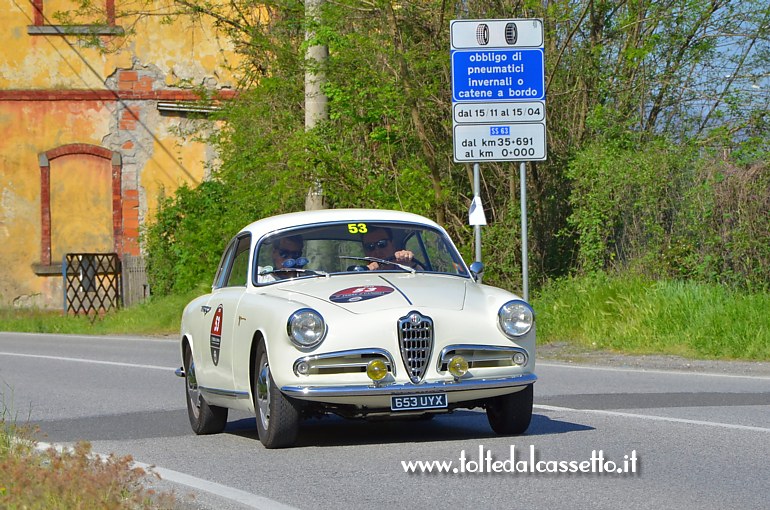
(265, 318)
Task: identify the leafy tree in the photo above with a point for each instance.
(642, 96)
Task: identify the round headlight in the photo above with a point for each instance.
(306, 328)
(516, 318)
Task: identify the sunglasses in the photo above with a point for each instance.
(378, 245)
(288, 254)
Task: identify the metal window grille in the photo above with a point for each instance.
(92, 283)
(415, 337)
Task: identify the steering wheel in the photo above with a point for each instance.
(419, 263)
(414, 261)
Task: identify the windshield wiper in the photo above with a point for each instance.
(382, 261)
(271, 270)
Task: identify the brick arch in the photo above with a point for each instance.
(78, 148)
(44, 160)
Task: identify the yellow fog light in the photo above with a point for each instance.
(376, 370)
(457, 366)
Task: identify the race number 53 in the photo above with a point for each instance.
(357, 228)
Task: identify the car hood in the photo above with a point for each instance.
(373, 292)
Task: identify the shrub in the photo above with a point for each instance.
(71, 478)
(664, 211)
(186, 239)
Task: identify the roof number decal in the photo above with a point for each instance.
(357, 228)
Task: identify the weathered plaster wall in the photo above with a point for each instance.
(188, 52)
(26, 129)
(55, 92)
(167, 171)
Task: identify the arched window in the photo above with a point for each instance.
(79, 158)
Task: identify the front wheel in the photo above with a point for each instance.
(204, 418)
(511, 414)
(277, 416)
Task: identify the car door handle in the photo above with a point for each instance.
(241, 318)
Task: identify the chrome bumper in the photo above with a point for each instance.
(361, 390)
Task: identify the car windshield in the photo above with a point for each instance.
(336, 248)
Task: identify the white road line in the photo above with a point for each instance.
(231, 493)
(651, 371)
(82, 360)
(245, 498)
(653, 418)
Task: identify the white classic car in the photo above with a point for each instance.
(361, 313)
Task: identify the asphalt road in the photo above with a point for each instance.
(700, 439)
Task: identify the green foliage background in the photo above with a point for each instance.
(657, 137)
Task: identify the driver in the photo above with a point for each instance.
(378, 243)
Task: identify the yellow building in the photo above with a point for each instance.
(90, 136)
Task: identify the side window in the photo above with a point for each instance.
(432, 246)
(239, 269)
(224, 265)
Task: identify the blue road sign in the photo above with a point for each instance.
(498, 75)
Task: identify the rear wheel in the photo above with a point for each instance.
(204, 418)
(277, 416)
(511, 414)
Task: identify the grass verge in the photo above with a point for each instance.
(622, 313)
(636, 315)
(156, 316)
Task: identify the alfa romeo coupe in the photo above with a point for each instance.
(360, 313)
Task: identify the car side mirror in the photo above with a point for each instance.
(477, 269)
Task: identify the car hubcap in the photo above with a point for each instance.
(193, 392)
(263, 394)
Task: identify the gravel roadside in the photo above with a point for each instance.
(564, 352)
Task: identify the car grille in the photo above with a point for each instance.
(415, 337)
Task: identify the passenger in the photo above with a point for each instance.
(286, 253)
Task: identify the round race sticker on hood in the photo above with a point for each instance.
(354, 294)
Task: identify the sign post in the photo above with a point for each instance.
(498, 102)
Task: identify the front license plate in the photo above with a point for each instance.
(417, 402)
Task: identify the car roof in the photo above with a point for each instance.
(297, 219)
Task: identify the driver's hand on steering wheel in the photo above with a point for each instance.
(405, 257)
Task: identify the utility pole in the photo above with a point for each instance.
(316, 108)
